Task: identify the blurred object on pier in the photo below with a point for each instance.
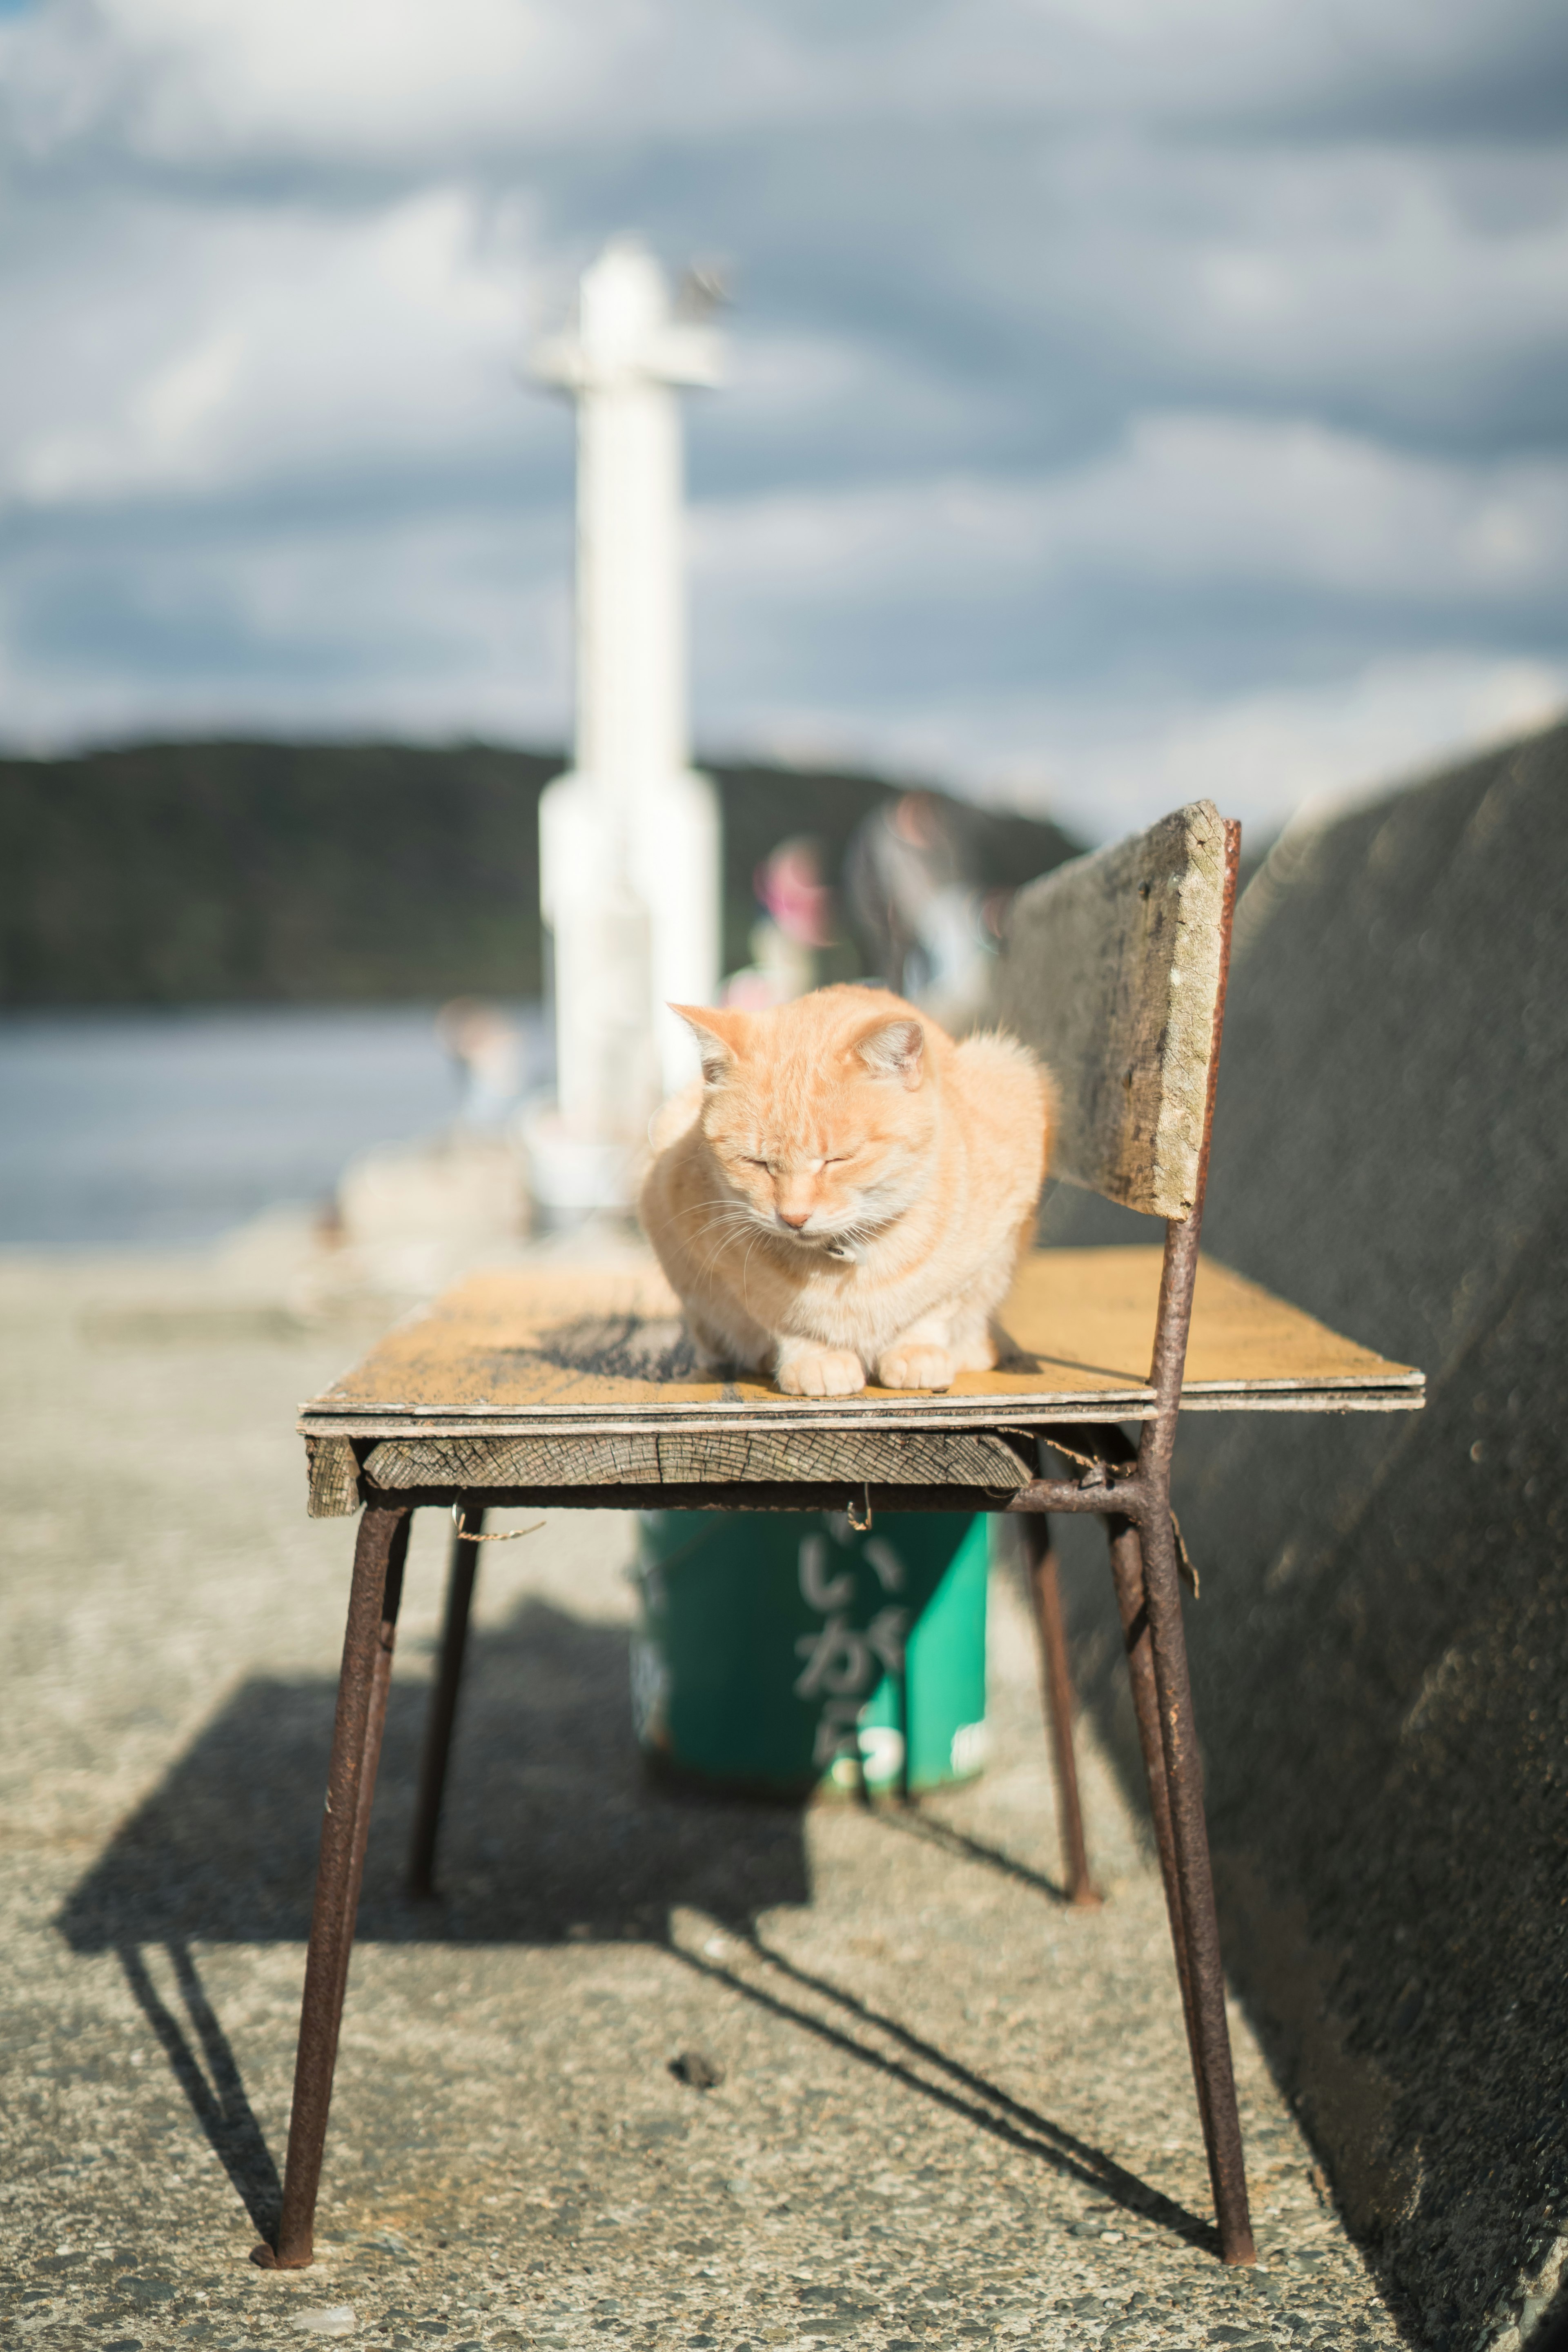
(462, 1188)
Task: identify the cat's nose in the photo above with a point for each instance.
(795, 1219)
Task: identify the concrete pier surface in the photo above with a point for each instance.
(952, 2110)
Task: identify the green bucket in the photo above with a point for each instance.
(783, 1650)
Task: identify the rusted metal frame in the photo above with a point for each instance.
(1199, 1935)
(1056, 1673)
(737, 1495)
(443, 1712)
(1119, 1485)
(1077, 1494)
(1110, 1481)
(379, 1552)
(1199, 1924)
(1133, 1492)
(1127, 1576)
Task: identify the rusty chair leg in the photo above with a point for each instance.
(1055, 1673)
(444, 1706)
(1199, 1926)
(363, 1685)
(1127, 1575)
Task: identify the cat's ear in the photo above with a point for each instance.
(720, 1038)
(893, 1049)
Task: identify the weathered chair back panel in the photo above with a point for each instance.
(1113, 973)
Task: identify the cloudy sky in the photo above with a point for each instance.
(1129, 398)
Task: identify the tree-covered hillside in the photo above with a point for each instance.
(267, 873)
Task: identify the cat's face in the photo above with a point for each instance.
(820, 1114)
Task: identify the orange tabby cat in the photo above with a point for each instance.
(847, 1192)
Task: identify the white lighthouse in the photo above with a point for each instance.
(628, 838)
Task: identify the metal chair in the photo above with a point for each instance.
(558, 1387)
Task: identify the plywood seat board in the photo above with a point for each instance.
(573, 1348)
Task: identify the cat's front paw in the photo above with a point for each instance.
(915, 1365)
(830, 1371)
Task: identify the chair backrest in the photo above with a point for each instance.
(1114, 973)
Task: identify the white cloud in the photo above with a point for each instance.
(431, 627)
(1261, 755)
(273, 345)
(1308, 271)
(1188, 501)
(413, 82)
(404, 83)
(1221, 509)
(1124, 390)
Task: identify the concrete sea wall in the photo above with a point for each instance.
(1381, 1651)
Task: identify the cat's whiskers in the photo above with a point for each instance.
(718, 1213)
(726, 1221)
(728, 1228)
(862, 1229)
(700, 1208)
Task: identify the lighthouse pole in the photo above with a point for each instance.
(629, 883)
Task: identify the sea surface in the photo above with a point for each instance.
(168, 1128)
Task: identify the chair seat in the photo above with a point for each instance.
(568, 1375)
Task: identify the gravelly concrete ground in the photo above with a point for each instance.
(953, 2110)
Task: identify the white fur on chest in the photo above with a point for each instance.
(868, 1302)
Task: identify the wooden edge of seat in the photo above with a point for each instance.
(626, 1466)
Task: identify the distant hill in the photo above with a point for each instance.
(274, 873)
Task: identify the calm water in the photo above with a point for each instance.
(168, 1128)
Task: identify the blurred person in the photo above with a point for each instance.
(486, 1048)
(795, 930)
(933, 931)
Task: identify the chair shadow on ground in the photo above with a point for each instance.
(553, 1833)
